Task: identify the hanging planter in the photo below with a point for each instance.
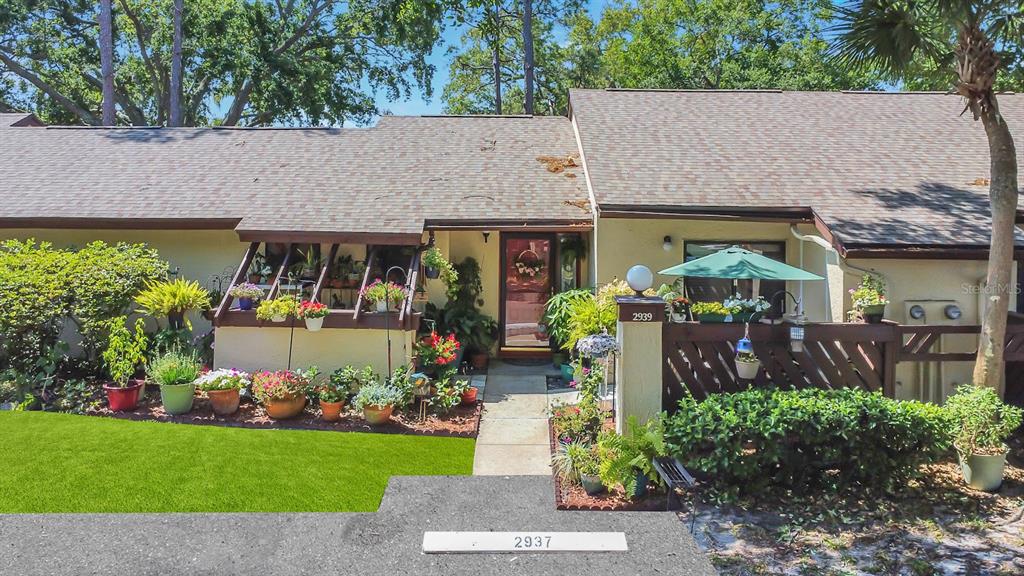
(747, 364)
(313, 313)
(278, 309)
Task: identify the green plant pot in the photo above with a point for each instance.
(177, 399)
(983, 472)
(567, 373)
(591, 484)
(711, 318)
(873, 314)
(558, 358)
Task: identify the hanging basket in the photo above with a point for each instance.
(528, 269)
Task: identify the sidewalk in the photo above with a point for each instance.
(513, 438)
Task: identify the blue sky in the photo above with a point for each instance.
(441, 60)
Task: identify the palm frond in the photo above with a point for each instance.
(888, 35)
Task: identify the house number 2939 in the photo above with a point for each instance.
(643, 316)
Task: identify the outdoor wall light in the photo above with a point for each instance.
(953, 312)
(916, 312)
(639, 278)
(667, 244)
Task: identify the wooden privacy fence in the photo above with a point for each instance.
(699, 358)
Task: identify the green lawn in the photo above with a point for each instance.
(65, 463)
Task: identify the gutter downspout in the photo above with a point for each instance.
(846, 268)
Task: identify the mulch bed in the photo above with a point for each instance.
(461, 422)
(572, 497)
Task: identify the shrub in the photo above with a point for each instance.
(622, 456)
(174, 368)
(597, 314)
(173, 298)
(557, 314)
(377, 394)
(750, 440)
(982, 422)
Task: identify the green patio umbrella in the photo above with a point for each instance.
(739, 264)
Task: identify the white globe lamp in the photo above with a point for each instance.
(639, 278)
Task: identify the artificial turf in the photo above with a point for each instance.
(65, 463)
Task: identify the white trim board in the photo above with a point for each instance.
(524, 542)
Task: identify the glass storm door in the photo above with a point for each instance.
(528, 273)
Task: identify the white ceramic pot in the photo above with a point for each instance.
(314, 324)
(678, 318)
(983, 472)
(747, 370)
(277, 318)
(382, 306)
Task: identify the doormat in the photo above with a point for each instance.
(526, 361)
(556, 384)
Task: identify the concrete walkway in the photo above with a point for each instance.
(513, 438)
(385, 542)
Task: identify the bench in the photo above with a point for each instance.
(677, 478)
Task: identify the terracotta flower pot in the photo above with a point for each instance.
(469, 396)
(123, 399)
(286, 408)
(377, 415)
(330, 411)
(224, 402)
(480, 360)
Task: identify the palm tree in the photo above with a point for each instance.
(107, 61)
(962, 36)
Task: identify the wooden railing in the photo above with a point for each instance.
(700, 358)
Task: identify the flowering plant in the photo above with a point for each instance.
(596, 345)
(870, 292)
(701, 308)
(378, 291)
(246, 290)
(223, 379)
(439, 351)
(282, 307)
(747, 304)
(529, 266)
(279, 385)
(310, 309)
(680, 304)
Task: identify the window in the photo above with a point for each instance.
(718, 289)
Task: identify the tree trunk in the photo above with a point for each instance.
(496, 59)
(1003, 192)
(176, 72)
(528, 56)
(107, 61)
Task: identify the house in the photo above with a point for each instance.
(837, 183)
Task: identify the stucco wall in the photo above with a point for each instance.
(266, 348)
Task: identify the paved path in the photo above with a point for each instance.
(386, 542)
(513, 436)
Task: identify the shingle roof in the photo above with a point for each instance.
(388, 179)
(12, 119)
(879, 169)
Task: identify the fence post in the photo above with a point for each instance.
(638, 370)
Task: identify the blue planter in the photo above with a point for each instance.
(567, 373)
(245, 303)
(641, 485)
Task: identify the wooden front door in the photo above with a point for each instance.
(528, 273)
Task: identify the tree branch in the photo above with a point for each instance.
(62, 100)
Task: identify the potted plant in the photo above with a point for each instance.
(627, 460)
(747, 365)
(377, 401)
(466, 391)
(437, 266)
(277, 310)
(259, 270)
(173, 299)
(869, 299)
(222, 388)
(176, 373)
(557, 317)
(436, 352)
(746, 309)
(313, 313)
(125, 352)
(982, 423)
(712, 312)
(246, 293)
(384, 295)
(282, 393)
(332, 395)
(576, 462)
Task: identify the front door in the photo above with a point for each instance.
(527, 263)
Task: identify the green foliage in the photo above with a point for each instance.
(557, 314)
(245, 62)
(377, 394)
(433, 258)
(621, 456)
(584, 420)
(165, 298)
(174, 368)
(282, 306)
(982, 421)
(353, 379)
(125, 351)
(461, 316)
(76, 396)
(594, 315)
(752, 440)
(575, 459)
(701, 308)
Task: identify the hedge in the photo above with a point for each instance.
(813, 438)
